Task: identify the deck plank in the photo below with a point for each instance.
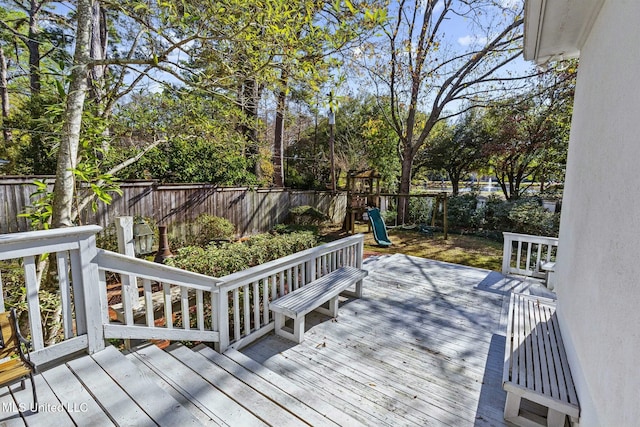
(120, 407)
(173, 392)
(51, 411)
(9, 410)
(159, 405)
(424, 346)
(85, 410)
(308, 397)
(284, 400)
(209, 399)
(252, 401)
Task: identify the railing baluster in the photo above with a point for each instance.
(265, 300)
(148, 303)
(289, 283)
(236, 314)
(280, 276)
(184, 304)
(274, 287)
(33, 302)
(246, 300)
(519, 255)
(200, 309)
(256, 305)
(168, 309)
(528, 263)
(65, 294)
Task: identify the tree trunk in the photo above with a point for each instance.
(405, 186)
(278, 148)
(33, 45)
(98, 51)
(63, 192)
(4, 96)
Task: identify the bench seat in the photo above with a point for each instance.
(311, 296)
(536, 366)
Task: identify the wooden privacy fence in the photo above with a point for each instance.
(251, 210)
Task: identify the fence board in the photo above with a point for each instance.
(251, 210)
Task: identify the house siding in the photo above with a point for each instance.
(599, 269)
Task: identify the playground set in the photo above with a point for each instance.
(364, 196)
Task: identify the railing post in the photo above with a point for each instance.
(95, 296)
(506, 253)
(222, 305)
(130, 300)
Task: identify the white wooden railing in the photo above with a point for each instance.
(173, 304)
(523, 254)
(246, 294)
(74, 253)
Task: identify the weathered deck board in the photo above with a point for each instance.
(263, 408)
(258, 383)
(309, 397)
(423, 346)
(209, 400)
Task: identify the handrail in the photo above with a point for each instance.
(245, 295)
(72, 251)
(172, 304)
(523, 254)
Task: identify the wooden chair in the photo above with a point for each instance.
(14, 353)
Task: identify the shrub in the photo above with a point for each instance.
(462, 213)
(530, 217)
(420, 210)
(228, 258)
(306, 215)
(204, 230)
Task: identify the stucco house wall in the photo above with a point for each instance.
(599, 268)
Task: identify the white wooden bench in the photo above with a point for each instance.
(311, 296)
(536, 366)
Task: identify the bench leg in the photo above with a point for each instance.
(332, 311)
(359, 289)
(298, 328)
(512, 406)
(555, 418)
(357, 293)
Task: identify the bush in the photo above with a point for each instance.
(525, 215)
(306, 215)
(420, 210)
(204, 230)
(462, 212)
(530, 217)
(231, 257)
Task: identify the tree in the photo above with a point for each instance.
(456, 149)
(64, 189)
(424, 72)
(363, 140)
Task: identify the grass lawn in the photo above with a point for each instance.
(458, 249)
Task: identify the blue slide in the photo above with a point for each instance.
(378, 226)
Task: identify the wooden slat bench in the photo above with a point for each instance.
(311, 296)
(536, 366)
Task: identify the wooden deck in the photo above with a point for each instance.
(424, 346)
